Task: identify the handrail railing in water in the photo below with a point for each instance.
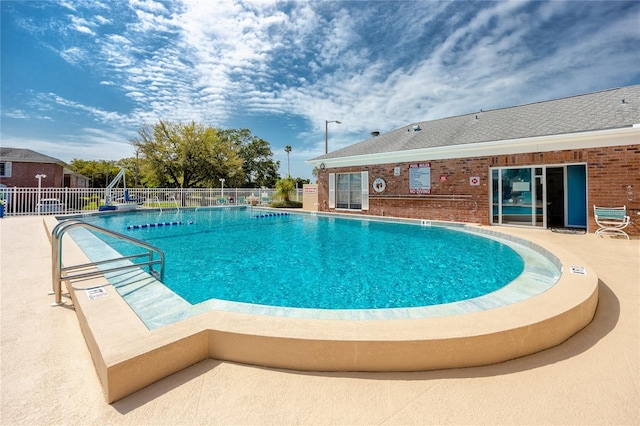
(173, 197)
(157, 200)
(58, 271)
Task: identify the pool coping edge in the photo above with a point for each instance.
(128, 356)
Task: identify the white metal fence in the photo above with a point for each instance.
(47, 201)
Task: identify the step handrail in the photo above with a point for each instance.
(58, 270)
(173, 197)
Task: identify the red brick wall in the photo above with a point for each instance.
(23, 175)
(613, 179)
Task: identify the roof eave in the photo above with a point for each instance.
(581, 140)
(34, 160)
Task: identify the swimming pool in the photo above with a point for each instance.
(303, 261)
(139, 331)
(280, 283)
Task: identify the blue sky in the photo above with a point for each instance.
(80, 77)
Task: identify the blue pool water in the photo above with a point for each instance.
(305, 261)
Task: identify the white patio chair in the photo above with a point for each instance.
(611, 220)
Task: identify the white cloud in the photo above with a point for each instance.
(111, 118)
(17, 114)
(487, 62)
(74, 55)
(102, 20)
(372, 65)
(87, 145)
(148, 5)
(81, 25)
(83, 29)
(67, 5)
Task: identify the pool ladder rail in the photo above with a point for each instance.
(60, 273)
(156, 199)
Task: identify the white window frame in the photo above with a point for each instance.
(364, 182)
(365, 191)
(7, 169)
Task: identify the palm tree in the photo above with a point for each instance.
(284, 188)
(287, 149)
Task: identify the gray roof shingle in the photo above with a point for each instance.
(27, 155)
(582, 113)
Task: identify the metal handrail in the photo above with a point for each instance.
(157, 200)
(59, 272)
(173, 197)
(441, 197)
(429, 197)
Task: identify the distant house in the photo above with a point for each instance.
(538, 165)
(19, 167)
(75, 180)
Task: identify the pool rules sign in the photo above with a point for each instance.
(420, 178)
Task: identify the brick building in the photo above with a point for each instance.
(18, 167)
(538, 165)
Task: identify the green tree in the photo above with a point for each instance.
(100, 172)
(300, 182)
(187, 155)
(132, 171)
(258, 165)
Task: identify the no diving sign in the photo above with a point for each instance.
(580, 270)
(474, 181)
(96, 292)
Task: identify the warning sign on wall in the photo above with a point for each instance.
(420, 178)
(474, 181)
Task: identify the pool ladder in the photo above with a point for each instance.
(170, 198)
(60, 273)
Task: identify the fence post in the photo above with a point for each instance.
(15, 199)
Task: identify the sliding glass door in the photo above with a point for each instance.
(539, 196)
(518, 196)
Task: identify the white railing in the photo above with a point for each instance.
(50, 201)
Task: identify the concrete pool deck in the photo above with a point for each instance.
(48, 376)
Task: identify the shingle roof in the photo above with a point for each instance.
(27, 155)
(608, 109)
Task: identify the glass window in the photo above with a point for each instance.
(355, 191)
(495, 197)
(5, 169)
(517, 196)
(342, 191)
(349, 191)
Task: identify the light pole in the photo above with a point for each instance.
(326, 133)
(222, 186)
(40, 176)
